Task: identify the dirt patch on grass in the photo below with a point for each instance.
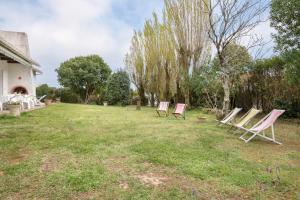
(124, 185)
(117, 164)
(14, 158)
(201, 120)
(84, 196)
(152, 179)
(50, 164)
(293, 163)
(15, 196)
(161, 177)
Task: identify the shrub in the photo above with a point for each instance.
(118, 89)
(44, 89)
(292, 109)
(67, 96)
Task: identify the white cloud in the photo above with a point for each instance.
(60, 29)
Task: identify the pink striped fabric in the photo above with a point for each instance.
(179, 108)
(163, 106)
(274, 114)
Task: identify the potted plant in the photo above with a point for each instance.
(14, 108)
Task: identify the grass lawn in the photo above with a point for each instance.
(70, 151)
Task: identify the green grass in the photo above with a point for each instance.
(70, 151)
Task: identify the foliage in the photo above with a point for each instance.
(292, 66)
(68, 96)
(229, 22)
(236, 61)
(44, 89)
(285, 18)
(118, 89)
(134, 62)
(266, 87)
(291, 107)
(187, 22)
(206, 87)
(161, 68)
(163, 56)
(84, 75)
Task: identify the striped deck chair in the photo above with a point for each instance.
(245, 119)
(259, 128)
(163, 108)
(179, 110)
(230, 117)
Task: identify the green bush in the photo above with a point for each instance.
(67, 96)
(266, 86)
(292, 109)
(44, 89)
(118, 89)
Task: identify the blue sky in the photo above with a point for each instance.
(61, 29)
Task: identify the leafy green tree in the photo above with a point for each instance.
(236, 59)
(160, 59)
(84, 75)
(231, 21)
(187, 22)
(134, 62)
(285, 18)
(118, 89)
(206, 87)
(292, 66)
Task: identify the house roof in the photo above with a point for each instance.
(14, 48)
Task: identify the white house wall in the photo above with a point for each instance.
(4, 77)
(20, 76)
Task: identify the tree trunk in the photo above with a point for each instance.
(225, 84)
(186, 61)
(226, 88)
(142, 96)
(167, 92)
(86, 99)
(152, 99)
(178, 91)
(187, 98)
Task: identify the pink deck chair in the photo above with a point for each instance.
(179, 110)
(230, 117)
(259, 128)
(163, 108)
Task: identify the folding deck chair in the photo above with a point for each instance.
(179, 110)
(38, 102)
(259, 128)
(163, 107)
(230, 117)
(245, 119)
